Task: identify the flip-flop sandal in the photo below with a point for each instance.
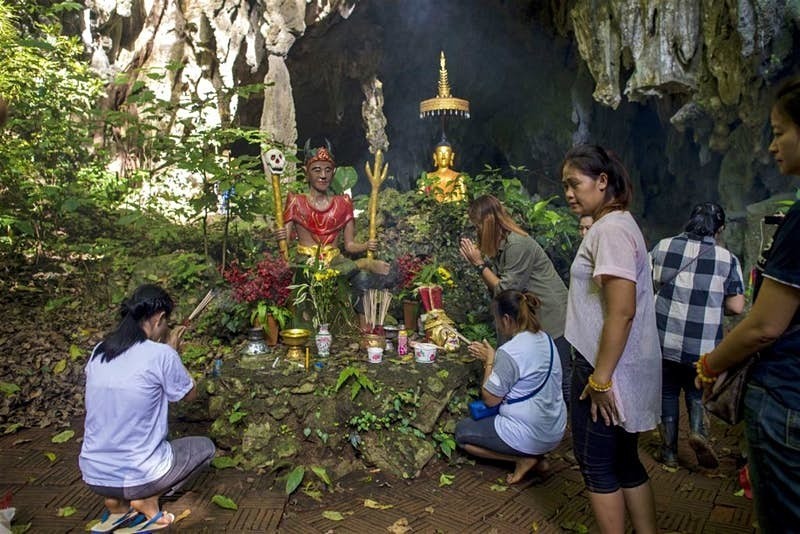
(109, 522)
(149, 526)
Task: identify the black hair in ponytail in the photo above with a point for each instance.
(146, 301)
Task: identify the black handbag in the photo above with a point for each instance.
(478, 408)
(726, 399)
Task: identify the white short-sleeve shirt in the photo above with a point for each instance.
(125, 440)
(522, 364)
(614, 246)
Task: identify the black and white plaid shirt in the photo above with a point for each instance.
(690, 306)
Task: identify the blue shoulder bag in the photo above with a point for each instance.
(478, 408)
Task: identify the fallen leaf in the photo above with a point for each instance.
(224, 502)
(66, 511)
(61, 437)
(75, 352)
(322, 474)
(223, 462)
(369, 503)
(90, 525)
(313, 493)
(294, 479)
(535, 526)
(332, 515)
(399, 527)
(446, 480)
(21, 441)
(429, 509)
(8, 389)
(183, 515)
(51, 456)
(498, 487)
(739, 493)
(60, 367)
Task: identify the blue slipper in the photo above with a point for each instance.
(109, 522)
(149, 526)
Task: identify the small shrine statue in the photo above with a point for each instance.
(444, 184)
(441, 330)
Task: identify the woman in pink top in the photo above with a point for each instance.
(611, 323)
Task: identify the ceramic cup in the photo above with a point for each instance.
(425, 352)
(375, 354)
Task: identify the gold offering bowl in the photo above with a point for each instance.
(373, 340)
(295, 339)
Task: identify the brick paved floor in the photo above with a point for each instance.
(688, 500)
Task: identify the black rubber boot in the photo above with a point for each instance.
(698, 436)
(668, 453)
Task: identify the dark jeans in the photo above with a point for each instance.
(773, 438)
(481, 433)
(608, 455)
(677, 376)
(189, 456)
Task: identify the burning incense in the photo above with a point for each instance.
(201, 306)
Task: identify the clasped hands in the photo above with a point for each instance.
(470, 252)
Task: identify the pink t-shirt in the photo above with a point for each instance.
(614, 246)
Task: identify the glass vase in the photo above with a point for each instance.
(323, 339)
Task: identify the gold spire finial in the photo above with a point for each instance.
(444, 103)
(444, 85)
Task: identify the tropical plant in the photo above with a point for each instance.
(433, 273)
(323, 288)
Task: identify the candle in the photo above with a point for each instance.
(307, 359)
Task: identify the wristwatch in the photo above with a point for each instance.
(480, 268)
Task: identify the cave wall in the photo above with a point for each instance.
(680, 88)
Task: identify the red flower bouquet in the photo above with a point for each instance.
(265, 287)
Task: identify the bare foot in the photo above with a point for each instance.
(523, 465)
(543, 466)
(117, 506)
(148, 507)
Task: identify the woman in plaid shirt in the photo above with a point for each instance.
(697, 281)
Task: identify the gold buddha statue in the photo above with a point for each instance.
(444, 184)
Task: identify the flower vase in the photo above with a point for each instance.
(271, 331)
(323, 339)
(410, 312)
(431, 296)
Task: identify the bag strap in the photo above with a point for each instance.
(684, 267)
(539, 388)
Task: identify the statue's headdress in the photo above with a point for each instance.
(323, 153)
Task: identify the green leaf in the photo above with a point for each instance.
(344, 178)
(62, 437)
(224, 502)
(236, 416)
(294, 479)
(13, 427)
(306, 431)
(51, 456)
(60, 367)
(66, 511)
(322, 474)
(224, 462)
(8, 388)
(498, 487)
(75, 352)
(332, 515)
(446, 480)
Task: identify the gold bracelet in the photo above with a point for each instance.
(600, 388)
(699, 366)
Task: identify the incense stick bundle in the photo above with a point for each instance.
(386, 298)
(201, 306)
